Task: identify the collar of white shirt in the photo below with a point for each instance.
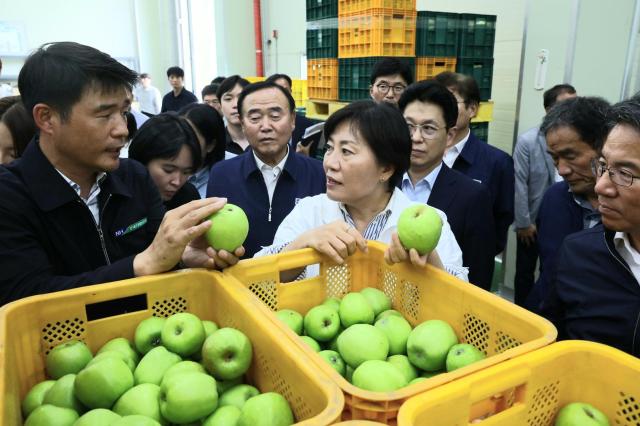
(626, 250)
(430, 179)
(92, 193)
(452, 153)
(388, 207)
(276, 170)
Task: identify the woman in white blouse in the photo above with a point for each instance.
(367, 151)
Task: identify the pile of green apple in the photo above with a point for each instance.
(178, 371)
(580, 414)
(373, 346)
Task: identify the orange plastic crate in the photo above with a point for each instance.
(322, 79)
(428, 67)
(358, 6)
(377, 32)
(499, 328)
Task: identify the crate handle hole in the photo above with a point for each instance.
(295, 275)
(497, 403)
(114, 307)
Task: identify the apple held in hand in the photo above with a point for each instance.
(229, 228)
(463, 354)
(67, 358)
(227, 353)
(183, 334)
(419, 227)
(581, 414)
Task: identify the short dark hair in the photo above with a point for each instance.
(549, 98)
(275, 77)
(132, 125)
(162, 136)
(432, 92)
(586, 115)
(229, 83)
(391, 66)
(218, 80)
(21, 126)
(209, 89)
(261, 85)
(625, 112)
(465, 85)
(57, 74)
(177, 71)
(211, 127)
(144, 75)
(383, 128)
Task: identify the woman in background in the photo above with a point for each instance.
(16, 130)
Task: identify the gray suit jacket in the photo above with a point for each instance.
(534, 172)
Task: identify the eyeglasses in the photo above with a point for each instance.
(397, 89)
(427, 131)
(619, 177)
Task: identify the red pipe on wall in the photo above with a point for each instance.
(257, 27)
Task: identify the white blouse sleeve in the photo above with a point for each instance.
(449, 251)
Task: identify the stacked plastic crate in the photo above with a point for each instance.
(322, 49)
(436, 44)
(367, 31)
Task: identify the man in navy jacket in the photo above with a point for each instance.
(431, 112)
(267, 181)
(478, 160)
(596, 292)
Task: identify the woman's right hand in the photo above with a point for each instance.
(396, 253)
(338, 240)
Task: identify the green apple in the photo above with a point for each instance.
(378, 376)
(135, 420)
(97, 417)
(417, 380)
(229, 228)
(147, 335)
(355, 309)
(227, 354)
(292, 318)
(335, 360)
(379, 301)
(267, 409)
(33, 398)
(224, 416)
(430, 374)
(209, 327)
(362, 342)
(142, 400)
(67, 358)
(154, 365)
(311, 342)
(50, 415)
(188, 397)
(463, 354)
(332, 302)
(182, 367)
(419, 227)
(349, 373)
(114, 354)
(429, 343)
(62, 395)
(581, 414)
(238, 395)
(322, 323)
(101, 384)
(183, 334)
(397, 330)
(386, 313)
(401, 362)
(224, 385)
(124, 346)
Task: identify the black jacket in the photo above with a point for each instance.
(49, 240)
(594, 295)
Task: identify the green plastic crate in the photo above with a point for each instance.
(321, 9)
(437, 34)
(321, 42)
(481, 130)
(482, 70)
(477, 35)
(354, 76)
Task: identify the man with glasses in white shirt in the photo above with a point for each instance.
(389, 78)
(596, 292)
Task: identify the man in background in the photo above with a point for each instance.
(178, 96)
(147, 95)
(389, 78)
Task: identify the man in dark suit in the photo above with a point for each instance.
(431, 112)
(478, 160)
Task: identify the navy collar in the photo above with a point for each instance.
(48, 188)
(250, 166)
(470, 150)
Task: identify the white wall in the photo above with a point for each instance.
(288, 18)
(235, 37)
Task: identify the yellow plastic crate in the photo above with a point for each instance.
(359, 423)
(299, 92)
(485, 112)
(499, 328)
(356, 6)
(321, 110)
(429, 66)
(322, 78)
(377, 32)
(530, 389)
(29, 328)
